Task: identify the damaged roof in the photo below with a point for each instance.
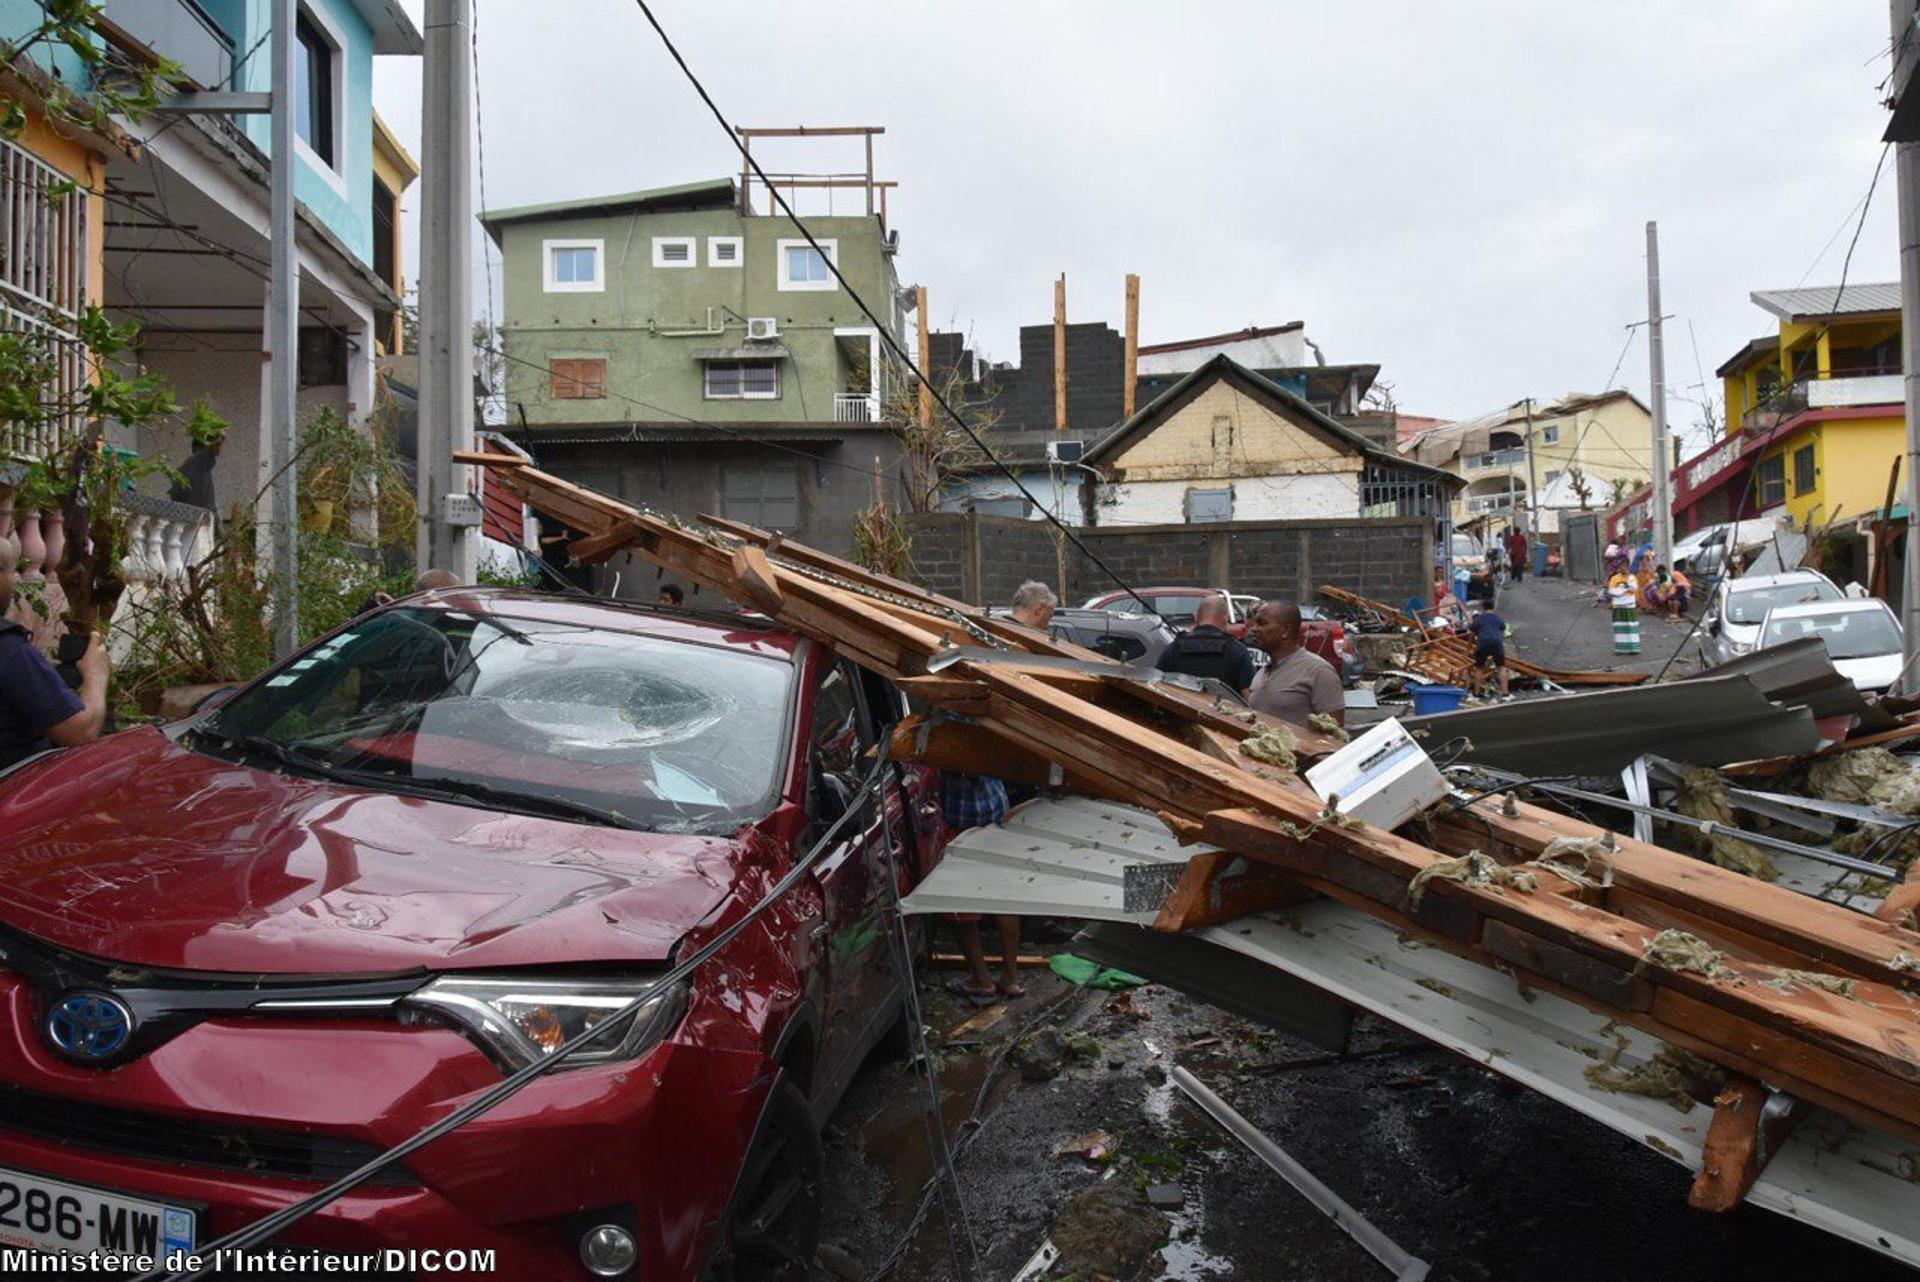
(711, 193)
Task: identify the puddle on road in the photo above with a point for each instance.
(1186, 1260)
(895, 1138)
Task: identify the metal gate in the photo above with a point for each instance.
(1580, 546)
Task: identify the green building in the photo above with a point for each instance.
(674, 349)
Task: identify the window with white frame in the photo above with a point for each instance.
(574, 266)
(319, 93)
(1210, 505)
(804, 267)
(743, 380)
(725, 251)
(674, 251)
(1550, 435)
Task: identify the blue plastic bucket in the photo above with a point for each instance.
(1429, 699)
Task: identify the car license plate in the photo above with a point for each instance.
(53, 1215)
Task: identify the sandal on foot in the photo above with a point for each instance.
(979, 997)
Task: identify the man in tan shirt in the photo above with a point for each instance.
(1296, 683)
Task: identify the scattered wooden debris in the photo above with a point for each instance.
(1672, 946)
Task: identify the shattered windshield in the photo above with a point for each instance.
(580, 721)
(1849, 634)
(1751, 606)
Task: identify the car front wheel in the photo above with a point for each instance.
(774, 1223)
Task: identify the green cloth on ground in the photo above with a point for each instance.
(1091, 974)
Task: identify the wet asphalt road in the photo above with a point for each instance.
(1483, 1179)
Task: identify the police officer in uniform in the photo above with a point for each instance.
(1205, 650)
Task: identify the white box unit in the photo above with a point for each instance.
(762, 327)
(1382, 777)
(1066, 451)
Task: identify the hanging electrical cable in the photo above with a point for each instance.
(886, 334)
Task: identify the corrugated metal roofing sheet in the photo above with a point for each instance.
(1828, 300)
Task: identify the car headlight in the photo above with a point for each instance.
(1739, 647)
(522, 1021)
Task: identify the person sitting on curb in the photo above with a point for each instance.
(37, 710)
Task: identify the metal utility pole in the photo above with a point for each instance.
(277, 416)
(448, 513)
(1907, 179)
(1533, 483)
(1662, 451)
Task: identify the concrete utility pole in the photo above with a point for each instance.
(277, 416)
(448, 514)
(1662, 451)
(1907, 179)
(1533, 483)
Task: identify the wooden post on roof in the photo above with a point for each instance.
(869, 141)
(926, 358)
(1060, 353)
(1133, 345)
(746, 173)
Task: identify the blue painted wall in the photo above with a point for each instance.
(343, 202)
(18, 18)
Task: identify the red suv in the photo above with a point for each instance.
(241, 955)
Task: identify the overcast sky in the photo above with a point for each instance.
(1456, 191)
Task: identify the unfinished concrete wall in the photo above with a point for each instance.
(983, 558)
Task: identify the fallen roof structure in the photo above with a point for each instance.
(1072, 855)
(1599, 732)
(1808, 997)
(1448, 656)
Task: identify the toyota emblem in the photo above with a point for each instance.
(89, 1026)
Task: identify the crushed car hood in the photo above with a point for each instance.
(140, 851)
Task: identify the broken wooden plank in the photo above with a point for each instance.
(1218, 887)
(1749, 1122)
(757, 578)
(595, 548)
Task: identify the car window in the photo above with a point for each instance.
(1177, 608)
(1852, 634)
(671, 735)
(1751, 605)
(1118, 605)
(1464, 547)
(839, 735)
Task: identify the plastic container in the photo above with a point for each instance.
(1429, 699)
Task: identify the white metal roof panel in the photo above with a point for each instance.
(1068, 857)
(1828, 300)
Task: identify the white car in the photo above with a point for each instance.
(1738, 607)
(1863, 638)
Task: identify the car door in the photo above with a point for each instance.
(840, 743)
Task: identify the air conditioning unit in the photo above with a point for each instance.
(761, 327)
(1066, 451)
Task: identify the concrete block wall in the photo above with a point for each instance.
(982, 559)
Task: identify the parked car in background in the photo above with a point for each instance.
(1862, 637)
(1122, 637)
(1324, 636)
(1467, 554)
(247, 952)
(1738, 608)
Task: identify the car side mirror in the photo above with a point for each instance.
(1712, 624)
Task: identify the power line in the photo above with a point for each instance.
(893, 344)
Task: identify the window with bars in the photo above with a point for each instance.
(580, 378)
(743, 380)
(768, 497)
(43, 290)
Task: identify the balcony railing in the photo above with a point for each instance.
(180, 30)
(1497, 458)
(1839, 389)
(856, 407)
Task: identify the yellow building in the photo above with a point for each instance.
(1816, 409)
(54, 267)
(1534, 459)
(394, 170)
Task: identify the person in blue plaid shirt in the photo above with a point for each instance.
(977, 801)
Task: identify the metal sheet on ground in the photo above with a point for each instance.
(1829, 1173)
